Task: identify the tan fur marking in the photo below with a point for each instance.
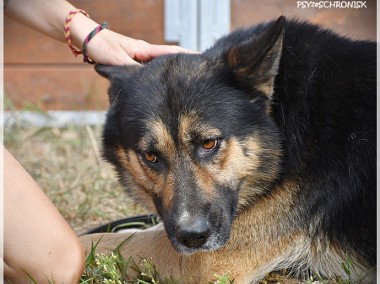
(205, 177)
(244, 72)
(232, 58)
(186, 122)
(167, 191)
(163, 140)
(257, 238)
(189, 124)
(164, 144)
(131, 163)
(266, 88)
(232, 165)
(139, 187)
(237, 165)
(205, 181)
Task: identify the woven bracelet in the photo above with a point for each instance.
(66, 29)
(94, 32)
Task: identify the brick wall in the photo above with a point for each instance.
(42, 73)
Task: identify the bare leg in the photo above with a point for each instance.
(37, 239)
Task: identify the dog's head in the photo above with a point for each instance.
(191, 135)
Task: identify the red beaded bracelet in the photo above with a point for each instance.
(66, 29)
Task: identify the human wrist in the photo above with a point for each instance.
(81, 26)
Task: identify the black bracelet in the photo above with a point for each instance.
(103, 26)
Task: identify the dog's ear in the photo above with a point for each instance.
(255, 62)
(112, 72)
(116, 75)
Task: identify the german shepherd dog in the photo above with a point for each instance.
(258, 154)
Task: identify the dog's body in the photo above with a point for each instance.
(259, 154)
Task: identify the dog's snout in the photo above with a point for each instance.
(193, 234)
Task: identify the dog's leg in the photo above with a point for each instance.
(151, 244)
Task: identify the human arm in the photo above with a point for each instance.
(107, 47)
(37, 240)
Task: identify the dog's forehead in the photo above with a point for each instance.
(177, 70)
(165, 85)
(173, 87)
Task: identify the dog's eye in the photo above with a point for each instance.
(209, 144)
(150, 157)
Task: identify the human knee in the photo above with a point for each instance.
(73, 265)
(66, 267)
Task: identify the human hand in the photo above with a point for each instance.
(112, 48)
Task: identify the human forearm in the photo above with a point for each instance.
(48, 17)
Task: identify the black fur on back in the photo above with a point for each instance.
(325, 106)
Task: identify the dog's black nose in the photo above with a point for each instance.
(193, 234)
